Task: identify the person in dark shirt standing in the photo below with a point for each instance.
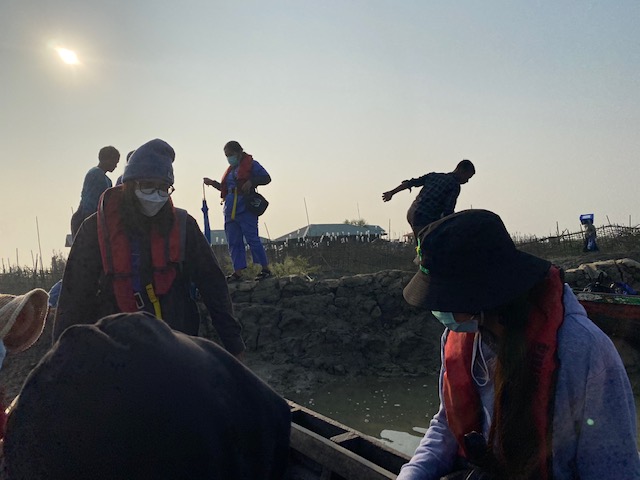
(95, 182)
(438, 196)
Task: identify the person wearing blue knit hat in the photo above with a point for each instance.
(139, 252)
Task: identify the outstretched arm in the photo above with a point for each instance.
(386, 196)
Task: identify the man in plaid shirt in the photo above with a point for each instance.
(438, 196)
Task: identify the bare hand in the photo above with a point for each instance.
(386, 196)
(212, 183)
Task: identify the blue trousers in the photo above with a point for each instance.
(244, 228)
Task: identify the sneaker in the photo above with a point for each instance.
(264, 274)
(233, 278)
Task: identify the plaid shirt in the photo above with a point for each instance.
(436, 199)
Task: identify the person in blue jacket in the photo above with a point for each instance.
(530, 388)
(240, 179)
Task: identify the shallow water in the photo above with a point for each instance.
(397, 410)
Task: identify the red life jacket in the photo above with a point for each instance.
(167, 253)
(243, 174)
(460, 397)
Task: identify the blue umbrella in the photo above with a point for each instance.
(205, 212)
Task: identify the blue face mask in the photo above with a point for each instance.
(233, 160)
(3, 352)
(447, 319)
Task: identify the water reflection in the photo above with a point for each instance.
(395, 410)
(403, 441)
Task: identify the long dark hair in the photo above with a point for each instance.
(135, 223)
(513, 433)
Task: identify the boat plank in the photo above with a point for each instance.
(617, 315)
(335, 458)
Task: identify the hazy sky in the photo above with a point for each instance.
(339, 100)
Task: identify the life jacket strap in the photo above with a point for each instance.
(235, 203)
(154, 301)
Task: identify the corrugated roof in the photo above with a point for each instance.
(318, 230)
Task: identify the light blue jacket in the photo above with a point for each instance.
(594, 421)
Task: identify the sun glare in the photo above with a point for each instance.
(68, 56)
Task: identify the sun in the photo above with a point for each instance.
(68, 56)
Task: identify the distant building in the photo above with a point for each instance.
(332, 231)
(408, 237)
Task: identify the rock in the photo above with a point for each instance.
(341, 302)
(295, 285)
(292, 322)
(356, 281)
(266, 292)
(325, 287)
(625, 270)
(340, 370)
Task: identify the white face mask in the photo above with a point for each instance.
(151, 203)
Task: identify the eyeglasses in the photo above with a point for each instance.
(151, 188)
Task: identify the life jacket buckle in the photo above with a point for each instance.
(139, 300)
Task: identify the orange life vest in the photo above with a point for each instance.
(167, 253)
(461, 398)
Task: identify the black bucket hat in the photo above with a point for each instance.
(469, 263)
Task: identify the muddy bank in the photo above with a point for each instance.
(302, 333)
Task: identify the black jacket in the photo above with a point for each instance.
(87, 294)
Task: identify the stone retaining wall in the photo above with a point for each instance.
(624, 270)
(348, 326)
(298, 330)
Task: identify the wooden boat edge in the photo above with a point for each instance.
(339, 449)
